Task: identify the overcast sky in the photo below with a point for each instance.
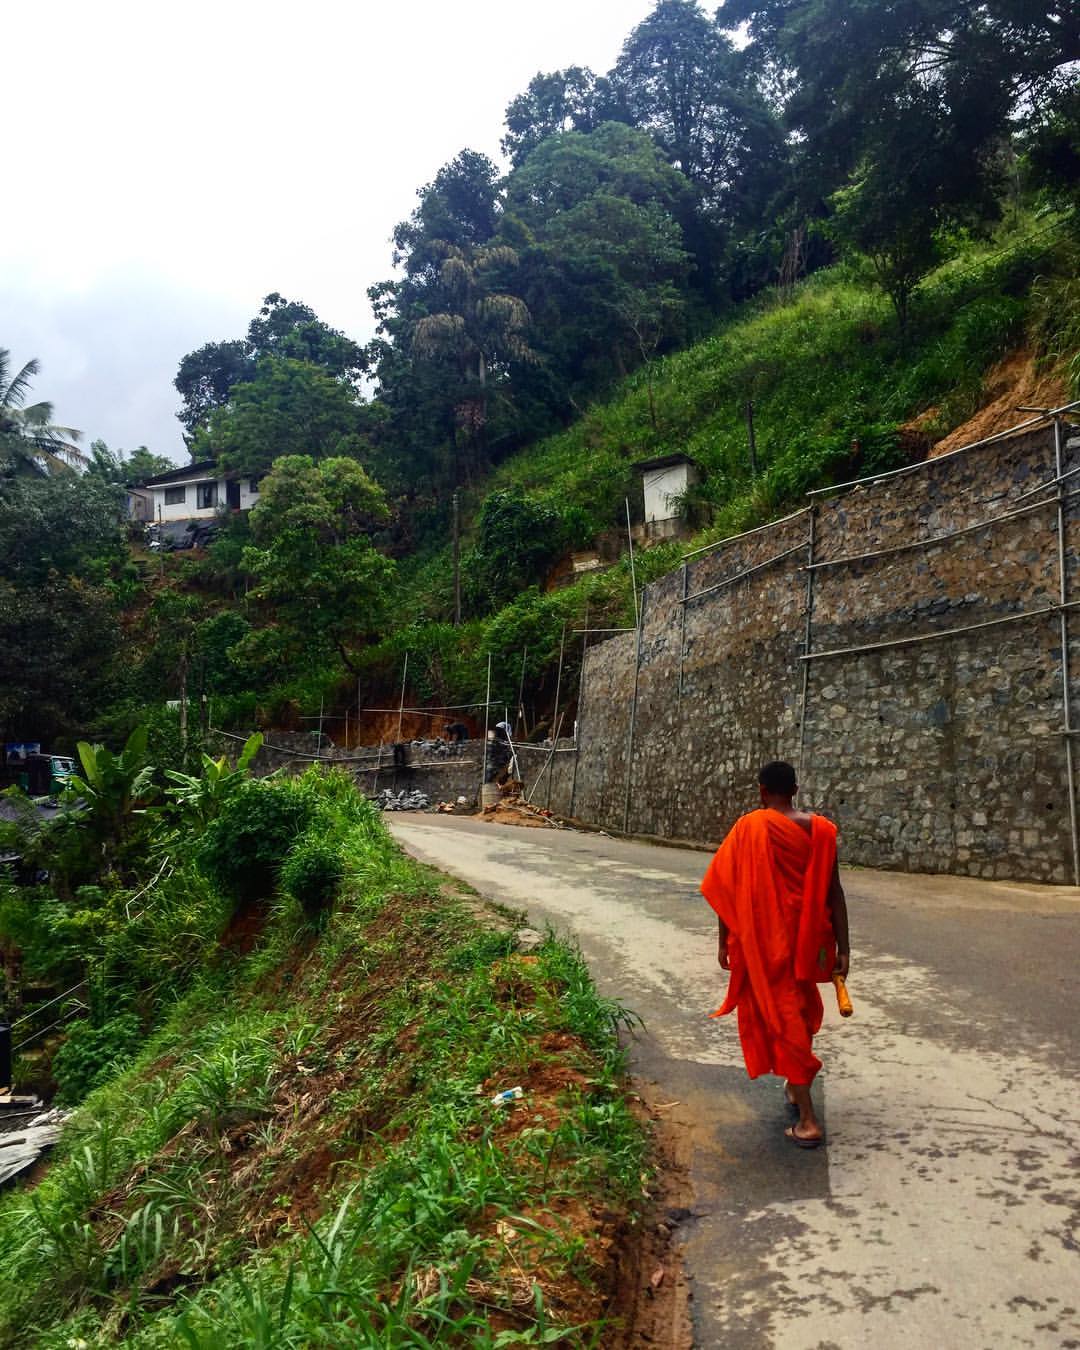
(169, 164)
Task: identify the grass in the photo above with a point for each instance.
(827, 367)
(825, 370)
(306, 1152)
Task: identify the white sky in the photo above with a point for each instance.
(170, 163)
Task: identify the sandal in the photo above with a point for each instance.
(803, 1141)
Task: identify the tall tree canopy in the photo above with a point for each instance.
(289, 407)
(114, 466)
(283, 328)
(680, 78)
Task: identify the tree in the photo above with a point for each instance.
(481, 329)
(854, 62)
(460, 206)
(125, 470)
(896, 219)
(606, 270)
(517, 538)
(680, 78)
(430, 386)
(58, 637)
(290, 408)
(292, 329)
(207, 377)
(564, 100)
(282, 328)
(61, 524)
(29, 442)
(1053, 149)
(58, 627)
(316, 569)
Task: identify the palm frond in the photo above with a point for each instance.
(15, 393)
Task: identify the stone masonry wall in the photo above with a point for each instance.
(933, 753)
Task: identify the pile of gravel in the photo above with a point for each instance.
(413, 800)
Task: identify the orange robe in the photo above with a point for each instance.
(769, 882)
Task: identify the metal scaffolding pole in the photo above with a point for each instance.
(1043, 416)
(485, 751)
(633, 714)
(556, 721)
(758, 529)
(811, 540)
(519, 720)
(740, 576)
(938, 633)
(577, 720)
(1066, 690)
(633, 570)
(679, 691)
(401, 705)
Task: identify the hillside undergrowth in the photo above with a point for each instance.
(306, 1152)
(835, 387)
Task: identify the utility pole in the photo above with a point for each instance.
(183, 697)
(751, 438)
(457, 561)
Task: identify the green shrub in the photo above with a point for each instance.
(312, 873)
(243, 850)
(91, 1055)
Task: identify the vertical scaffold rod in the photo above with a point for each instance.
(487, 718)
(556, 720)
(401, 706)
(633, 571)
(679, 692)
(811, 539)
(633, 713)
(1066, 691)
(519, 720)
(577, 720)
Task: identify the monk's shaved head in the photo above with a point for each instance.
(778, 779)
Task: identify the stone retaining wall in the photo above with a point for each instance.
(937, 755)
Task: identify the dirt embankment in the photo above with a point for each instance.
(1015, 382)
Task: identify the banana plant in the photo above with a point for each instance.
(200, 796)
(114, 788)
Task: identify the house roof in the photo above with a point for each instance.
(205, 468)
(666, 461)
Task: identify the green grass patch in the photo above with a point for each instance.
(306, 1153)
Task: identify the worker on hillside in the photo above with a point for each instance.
(499, 755)
(775, 886)
(456, 733)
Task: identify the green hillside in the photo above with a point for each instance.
(824, 368)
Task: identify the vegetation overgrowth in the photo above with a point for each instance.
(842, 225)
(289, 1138)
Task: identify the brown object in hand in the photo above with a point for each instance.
(843, 999)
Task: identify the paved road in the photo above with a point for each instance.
(946, 1210)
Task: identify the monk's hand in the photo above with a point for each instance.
(724, 956)
(843, 961)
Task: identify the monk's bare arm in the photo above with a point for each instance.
(839, 915)
(722, 949)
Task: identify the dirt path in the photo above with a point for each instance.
(946, 1210)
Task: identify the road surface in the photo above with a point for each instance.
(946, 1210)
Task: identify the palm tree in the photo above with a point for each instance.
(479, 328)
(28, 439)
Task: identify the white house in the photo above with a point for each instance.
(664, 483)
(199, 492)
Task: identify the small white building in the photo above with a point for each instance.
(199, 492)
(665, 481)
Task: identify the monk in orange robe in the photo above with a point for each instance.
(775, 886)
